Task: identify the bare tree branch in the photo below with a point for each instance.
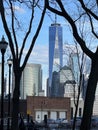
(88, 10)
(74, 28)
(27, 33)
(34, 38)
(13, 28)
(6, 27)
(92, 27)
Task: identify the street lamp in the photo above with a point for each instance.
(9, 61)
(3, 46)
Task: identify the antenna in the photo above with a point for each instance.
(55, 15)
(55, 18)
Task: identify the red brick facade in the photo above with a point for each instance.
(35, 104)
(38, 104)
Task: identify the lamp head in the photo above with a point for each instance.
(3, 44)
(10, 61)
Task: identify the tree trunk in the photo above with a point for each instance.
(90, 95)
(15, 101)
(76, 110)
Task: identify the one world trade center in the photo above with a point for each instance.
(55, 50)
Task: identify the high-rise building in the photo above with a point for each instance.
(55, 85)
(55, 50)
(74, 65)
(66, 81)
(31, 81)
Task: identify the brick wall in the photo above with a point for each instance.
(37, 103)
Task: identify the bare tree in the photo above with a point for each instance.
(79, 79)
(16, 30)
(88, 8)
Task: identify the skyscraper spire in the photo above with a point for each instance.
(55, 18)
(55, 15)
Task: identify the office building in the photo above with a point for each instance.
(55, 85)
(67, 82)
(31, 81)
(74, 65)
(55, 50)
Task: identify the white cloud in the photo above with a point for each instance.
(39, 54)
(18, 9)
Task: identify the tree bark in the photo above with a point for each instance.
(15, 101)
(90, 94)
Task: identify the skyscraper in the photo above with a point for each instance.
(74, 64)
(55, 50)
(31, 81)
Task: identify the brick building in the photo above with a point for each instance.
(54, 108)
(38, 106)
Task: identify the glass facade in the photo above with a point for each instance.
(55, 50)
(31, 81)
(74, 60)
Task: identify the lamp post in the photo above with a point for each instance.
(9, 61)
(3, 46)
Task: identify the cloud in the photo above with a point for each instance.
(17, 8)
(39, 54)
